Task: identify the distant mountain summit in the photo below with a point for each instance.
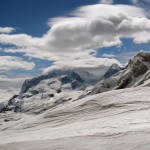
(136, 73)
(65, 76)
(114, 68)
(48, 90)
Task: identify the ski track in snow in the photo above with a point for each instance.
(115, 120)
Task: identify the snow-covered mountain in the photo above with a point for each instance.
(136, 73)
(51, 89)
(46, 91)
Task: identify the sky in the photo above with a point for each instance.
(37, 36)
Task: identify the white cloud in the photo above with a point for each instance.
(91, 27)
(86, 29)
(12, 63)
(96, 26)
(96, 67)
(83, 63)
(108, 55)
(106, 1)
(7, 29)
(20, 40)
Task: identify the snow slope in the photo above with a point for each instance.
(115, 120)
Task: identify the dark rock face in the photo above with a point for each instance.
(58, 91)
(139, 68)
(51, 95)
(76, 84)
(2, 107)
(144, 56)
(10, 102)
(124, 83)
(17, 107)
(50, 83)
(32, 82)
(34, 92)
(135, 68)
(75, 76)
(65, 79)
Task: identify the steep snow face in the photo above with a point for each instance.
(115, 120)
(135, 74)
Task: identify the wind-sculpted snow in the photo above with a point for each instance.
(115, 120)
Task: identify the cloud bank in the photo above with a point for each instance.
(74, 39)
(86, 29)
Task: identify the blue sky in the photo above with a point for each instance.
(30, 16)
(33, 34)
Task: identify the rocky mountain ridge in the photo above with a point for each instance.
(136, 73)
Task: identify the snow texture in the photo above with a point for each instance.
(112, 120)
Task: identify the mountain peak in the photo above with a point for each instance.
(135, 73)
(114, 68)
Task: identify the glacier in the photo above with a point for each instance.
(112, 120)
